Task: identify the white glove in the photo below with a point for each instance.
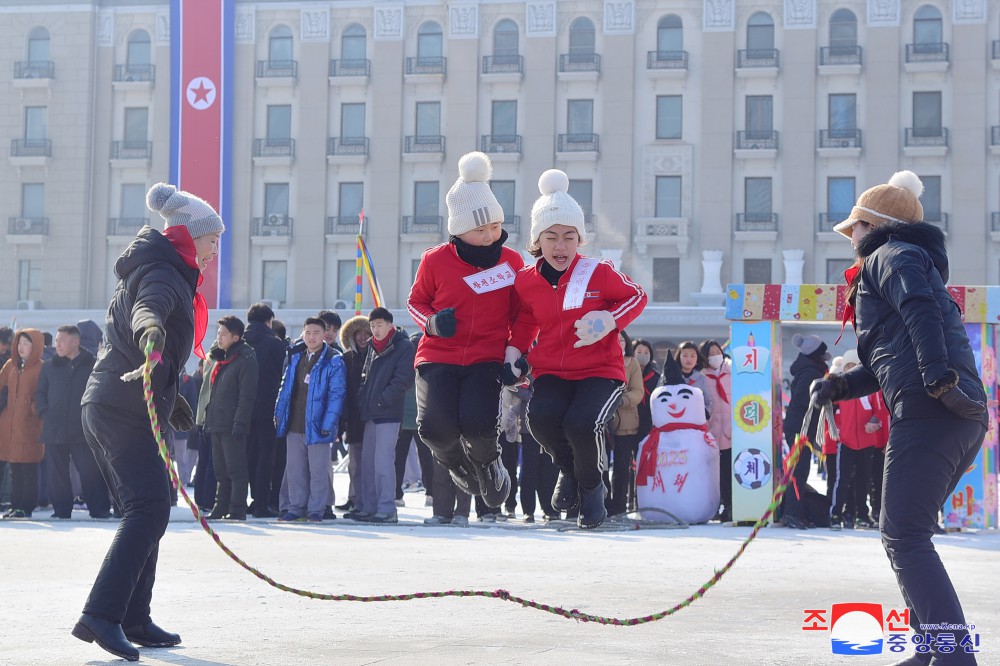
(593, 326)
(510, 357)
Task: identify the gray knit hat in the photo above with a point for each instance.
(180, 208)
(471, 202)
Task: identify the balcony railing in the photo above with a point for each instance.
(666, 60)
(135, 72)
(271, 69)
(512, 223)
(345, 225)
(131, 150)
(271, 225)
(274, 147)
(579, 143)
(31, 147)
(500, 143)
(757, 58)
(937, 218)
(926, 136)
(350, 67)
(126, 226)
(995, 220)
(756, 221)
(28, 226)
(995, 135)
(827, 221)
(840, 138)
(347, 145)
(422, 224)
(34, 69)
(927, 52)
(580, 62)
(840, 55)
(756, 140)
(424, 143)
(503, 64)
(419, 65)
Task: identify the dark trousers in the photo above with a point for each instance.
(924, 462)
(4, 482)
(126, 452)
(849, 500)
(449, 501)
(875, 490)
(457, 403)
(622, 474)
(95, 491)
(261, 443)
(726, 478)
(280, 456)
(538, 477)
(568, 418)
(510, 454)
(792, 504)
(423, 454)
(229, 458)
(830, 465)
(24, 486)
(204, 474)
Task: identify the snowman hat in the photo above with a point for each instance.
(672, 375)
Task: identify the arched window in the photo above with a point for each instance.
(927, 28)
(353, 43)
(279, 44)
(429, 42)
(669, 34)
(505, 38)
(38, 46)
(843, 31)
(760, 32)
(138, 52)
(581, 37)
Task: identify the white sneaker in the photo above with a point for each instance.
(400, 502)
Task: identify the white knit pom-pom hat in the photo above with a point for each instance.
(896, 201)
(180, 208)
(471, 202)
(555, 206)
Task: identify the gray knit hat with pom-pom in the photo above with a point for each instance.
(180, 208)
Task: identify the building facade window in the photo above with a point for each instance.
(346, 280)
(279, 44)
(279, 122)
(354, 43)
(505, 41)
(350, 199)
(352, 121)
(580, 117)
(583, 192)
(503, 190)
(757, 197)
(38, 46)
(426, 199)
(138, 52)
(136, 126)
(669, 116)
(931, 198)
(835, 270)
(843, 112)
(504, 120)
(428, 119)
(581, 37)
(36, 123)
(276, 199)
(757, 271)
(666, 279)
(760, 32)
(133, 203)
(29, 280)
(430, 42)
(927, 26)
(274, 282)
(33, 200)
(927, 114)
(840, 198)
(843, 31)
(668, 196)
(760, 113)
(669, 33)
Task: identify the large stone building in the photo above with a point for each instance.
(708, 141)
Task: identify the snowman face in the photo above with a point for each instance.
(677, 403)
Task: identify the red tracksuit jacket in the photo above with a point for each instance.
(484, 300)
(542, 315)
(851, 417)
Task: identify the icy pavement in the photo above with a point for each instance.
(228, 617)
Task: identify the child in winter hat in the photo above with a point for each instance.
(180, 208)
(810, 345)
(896, 201)
(471, 202)
(555, 206)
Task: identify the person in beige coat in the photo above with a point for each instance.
(20, 427)
(625, 428)
(719, 378)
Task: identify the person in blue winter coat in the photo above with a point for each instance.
(307, 414)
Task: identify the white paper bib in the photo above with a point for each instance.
(498, 277)
(576, 290)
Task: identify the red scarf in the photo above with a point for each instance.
(380, 345)
(650, 452)
(218, 366)
(719, 388)
(849, 275)
(180, 239)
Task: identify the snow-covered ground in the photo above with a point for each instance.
(228, 617)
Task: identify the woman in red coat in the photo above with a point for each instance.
(20, 428)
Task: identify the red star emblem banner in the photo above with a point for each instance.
(201, 93)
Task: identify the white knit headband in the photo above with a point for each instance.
(878, 214)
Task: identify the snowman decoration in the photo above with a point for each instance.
(678, 463)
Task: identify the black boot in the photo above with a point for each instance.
(494, 482)
(108, 635)
(150, 635)
(566, 494)
(592, 510)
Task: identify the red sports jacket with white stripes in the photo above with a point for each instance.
(484, 300)
(542, 315)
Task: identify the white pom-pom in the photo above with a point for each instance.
(158, 194)
(908, 181)
(553, 180)
(797, 340)
(475, 167)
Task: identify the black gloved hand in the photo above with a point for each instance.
(442, 324)
(181, 418)
(829, 389)
(960, 404)
(507, 375)
(155, 334)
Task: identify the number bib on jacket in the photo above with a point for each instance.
(498, 277)
(576, 290)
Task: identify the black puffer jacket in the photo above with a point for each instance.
(910, 331)
(270, 353)
(57, 398)
(231, 401)
(805, 370)
(155, 286)
(385, 379)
